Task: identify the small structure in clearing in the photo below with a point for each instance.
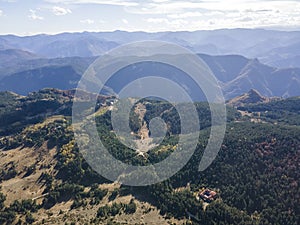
(208, 195)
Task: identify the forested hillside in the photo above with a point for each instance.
(45, 179)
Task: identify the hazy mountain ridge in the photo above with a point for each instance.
(64, 77)
(9, 56)
(235, 56)
(79, 64)
(248, 42)
(236, 74)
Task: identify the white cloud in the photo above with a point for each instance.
(87, 21)
(185, 15)
(245, 19)
(206, 14)
(1, 12)
(174, 24)
(34, 16)
(157, 20)
(59, 11)
(101, 2)
(163, 15)
(237, 13)
(160, 1)
(178, 7)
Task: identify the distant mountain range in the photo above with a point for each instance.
(9, 57)
(275, 48)
(31, 63)
(236, 75)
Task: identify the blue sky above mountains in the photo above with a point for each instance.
(26, 17)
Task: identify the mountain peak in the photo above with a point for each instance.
(251, 97)
(254, 93)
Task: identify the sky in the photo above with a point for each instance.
(28, 17)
